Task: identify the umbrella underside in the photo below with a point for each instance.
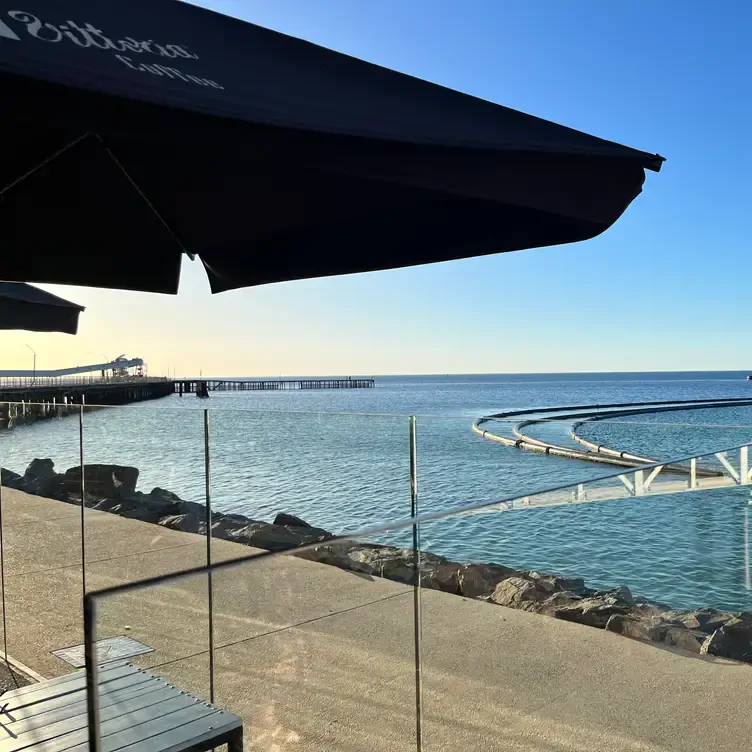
(298, 162)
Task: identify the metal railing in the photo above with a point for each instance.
(7, 383)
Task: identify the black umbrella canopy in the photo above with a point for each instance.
(26, 307)
(143, 129)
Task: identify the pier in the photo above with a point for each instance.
(203, 386)
(25, 399)
(94, 392)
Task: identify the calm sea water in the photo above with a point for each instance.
(340, 460)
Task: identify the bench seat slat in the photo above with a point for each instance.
(79, 720)
(79, 695)
(68, 710)
(76, 683)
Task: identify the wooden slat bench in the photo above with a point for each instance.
(139, 711)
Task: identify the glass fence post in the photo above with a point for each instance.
(2, 572)
(81, 409)
(92, 674)
(416, 585)
(210, 584)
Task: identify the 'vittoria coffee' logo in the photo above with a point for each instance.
(89, 36)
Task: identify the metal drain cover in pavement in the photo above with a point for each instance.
(111, 649)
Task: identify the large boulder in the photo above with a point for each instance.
(732, 640)
(333, 554)
(691, 640)
(41, 468)
(400, 564)
(553, 583)
(596, 610)
(185, 523)
(105, 505)
(274, 537)
(111, 481)
(9, 479)
(628, 626)
(40, 479)
(479, 580)
(518, 592)
(195, 509)
(228, 523)
(389, 562)
(131, 508)
(164, 495)
(290, 519)
(705, 620)
(557, 600)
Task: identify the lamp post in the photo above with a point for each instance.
(34, 377)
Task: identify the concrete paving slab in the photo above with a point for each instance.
(19, 507)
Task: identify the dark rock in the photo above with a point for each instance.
(398, 564)
(290, 519)
(192, 508)
(682, 618)
(133, 510)
(596, 610)
(553, 583)
(480, 580)
(111, 481)
(686, 639)
(724, 645)
(518, 592)
(558, 600)
(709, 619)
(40, 479)
(50, 488)
(739, 625)
(164, 494)
(105, 505)
(273, 537)
(222, 527)
(629, 627)
(444, 577)
(333, 554)
(39, 468)
(382, 561)
(706, 620)
(9, 479)
(186, 523)
(436, 572)
(732, 640)
(622, 594)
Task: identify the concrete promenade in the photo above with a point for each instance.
(315, 658)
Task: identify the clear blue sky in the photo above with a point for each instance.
(666, 288)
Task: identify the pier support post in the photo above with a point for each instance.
(744, 466)
(639, 483)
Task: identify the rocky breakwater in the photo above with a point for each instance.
(112, 488)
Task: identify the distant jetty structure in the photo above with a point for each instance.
(203, 387)
(33, 394)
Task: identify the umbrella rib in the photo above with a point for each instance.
(44, 162)
(143, 196)
(73, 143)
